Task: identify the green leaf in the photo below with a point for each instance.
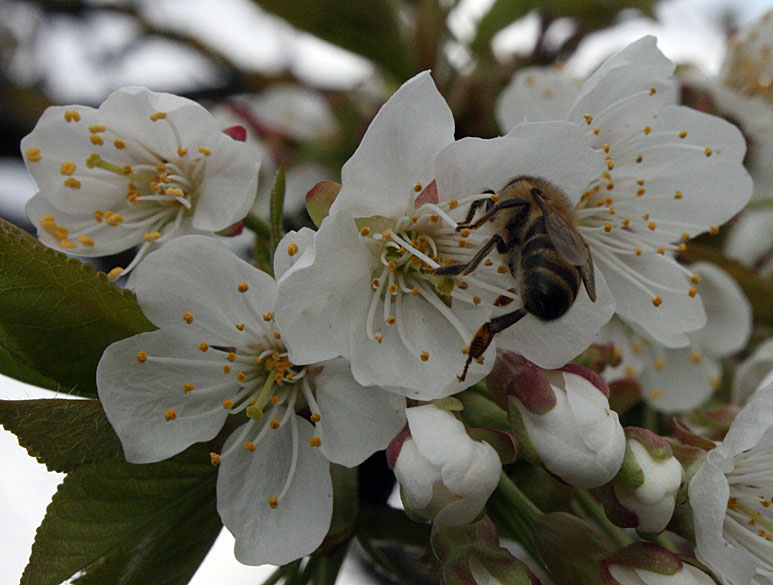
(57, 315)
(370, 29)
(62, 434)
(118, 523)
(277, 208)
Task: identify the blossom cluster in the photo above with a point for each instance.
(438, 263)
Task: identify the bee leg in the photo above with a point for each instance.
(493, 210)
(466, 268)
(483, 337)
(474, 209)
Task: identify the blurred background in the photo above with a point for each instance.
(304, 78)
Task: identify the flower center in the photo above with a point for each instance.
(749, 519)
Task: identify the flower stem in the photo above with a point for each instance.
(254, 223)
(665, 542)
(511, 510)
(525, 507)
(596, 513)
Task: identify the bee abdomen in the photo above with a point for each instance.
(549, 284)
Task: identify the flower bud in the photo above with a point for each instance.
(646, 564)
(648, 481)
(444, 475)
(562, 419)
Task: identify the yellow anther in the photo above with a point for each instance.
(96, 140)
(240, 326)
(375, 283)
(174, 192)
(33, 155)
(231, 357)
(678, 195)
(683, 134)
(386, 235)
(692, 292)
(661, 251)
(119, 144)
(142, 357)
(97, 128)
(605, 148)
(629, 372)
(640, 182)
(462, 244)
(243, 287)
(502, 269)
(72, 183)
(86, 241)
(654, 394)
(274, 424)
(241, 376)
(453, 204)
(378, 337)
(414, 292)
(392, 265)
(611, 211)
(226, 369)
(640, 192)
(434, 218)
(315, 442)
(114, 273)
(637, 251)
(639, 158)
(113, 219)
(274, 400)
(279, 376)
(170, 415)
(72, 116)
(277, 335)
(249, 446)
(67, 168)
(646, 130)
(713, 230)
(465, 350)
(653, 91)
(67, 244)
(652, 225)
(60, 232)
(182, 151)
(588, 119)
(682, 247)
(365, 231)
(214, 459)
(127, 169)
(158, 116)
(228, 404)
(187, 387)
(418, 187)
(393, 289)
(315, 418)
(476, 300)
(390, 320)
(273, 503)
(268, 316)
(48, 222)
(424, 356)
(685, 236)
(636, 348)
(610, 186)
(607, 226)
(465, 233)
(695, 278)
(596, 130)
(151, 236)
(626, 222)
(657, 301)
(462, 285)
(292, 249)
(660, 363)
(707, 151)
(204, 150)
(695, 357)
(188, 317)
(494, 197)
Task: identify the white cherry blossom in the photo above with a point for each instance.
(730, 496)
(142, 169)
(218, 353)
(362, 290)
(672, 173)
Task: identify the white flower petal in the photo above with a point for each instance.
(750, 238)
(536, 94)
(440, 437)
(356, 421)
(472, 165)
(729, 323)
(199, 275)
(551, 344)
(247, 480)
(137, 396)
(752, 371)
(314, 319)
(752, 423)
(416, 475)
(396, 152)
(283, 258)
(682, 383)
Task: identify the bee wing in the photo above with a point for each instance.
(586, 272)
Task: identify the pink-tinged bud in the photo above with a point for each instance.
(513, 375)
(648, 482)
(643, 563)
(444, 475)
(589, 375)
(598, 356)
(238, 133)
(623, 394)
(714, 420)
(471, 555)
(319, 199)
(687, 437)
(579, 438)
(232, 230)
(395, 445)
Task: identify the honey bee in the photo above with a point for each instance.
(546, 254)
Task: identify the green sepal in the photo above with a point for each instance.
(504, 443)
(276, 209)
(319, 199)
(527, 449)
(117, 522)
(482, 412)
(630, 473)
(62, 434)
(449, 403)
(58, 315)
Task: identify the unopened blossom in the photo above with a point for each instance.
(140, 170)
(671, 174)
(731, 497)
(646, 564)
(219, 353)
(444, 475)
(562, 419)
(680, 379)
(364, 288)
(648, 481)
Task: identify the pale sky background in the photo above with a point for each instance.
(688, 31)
